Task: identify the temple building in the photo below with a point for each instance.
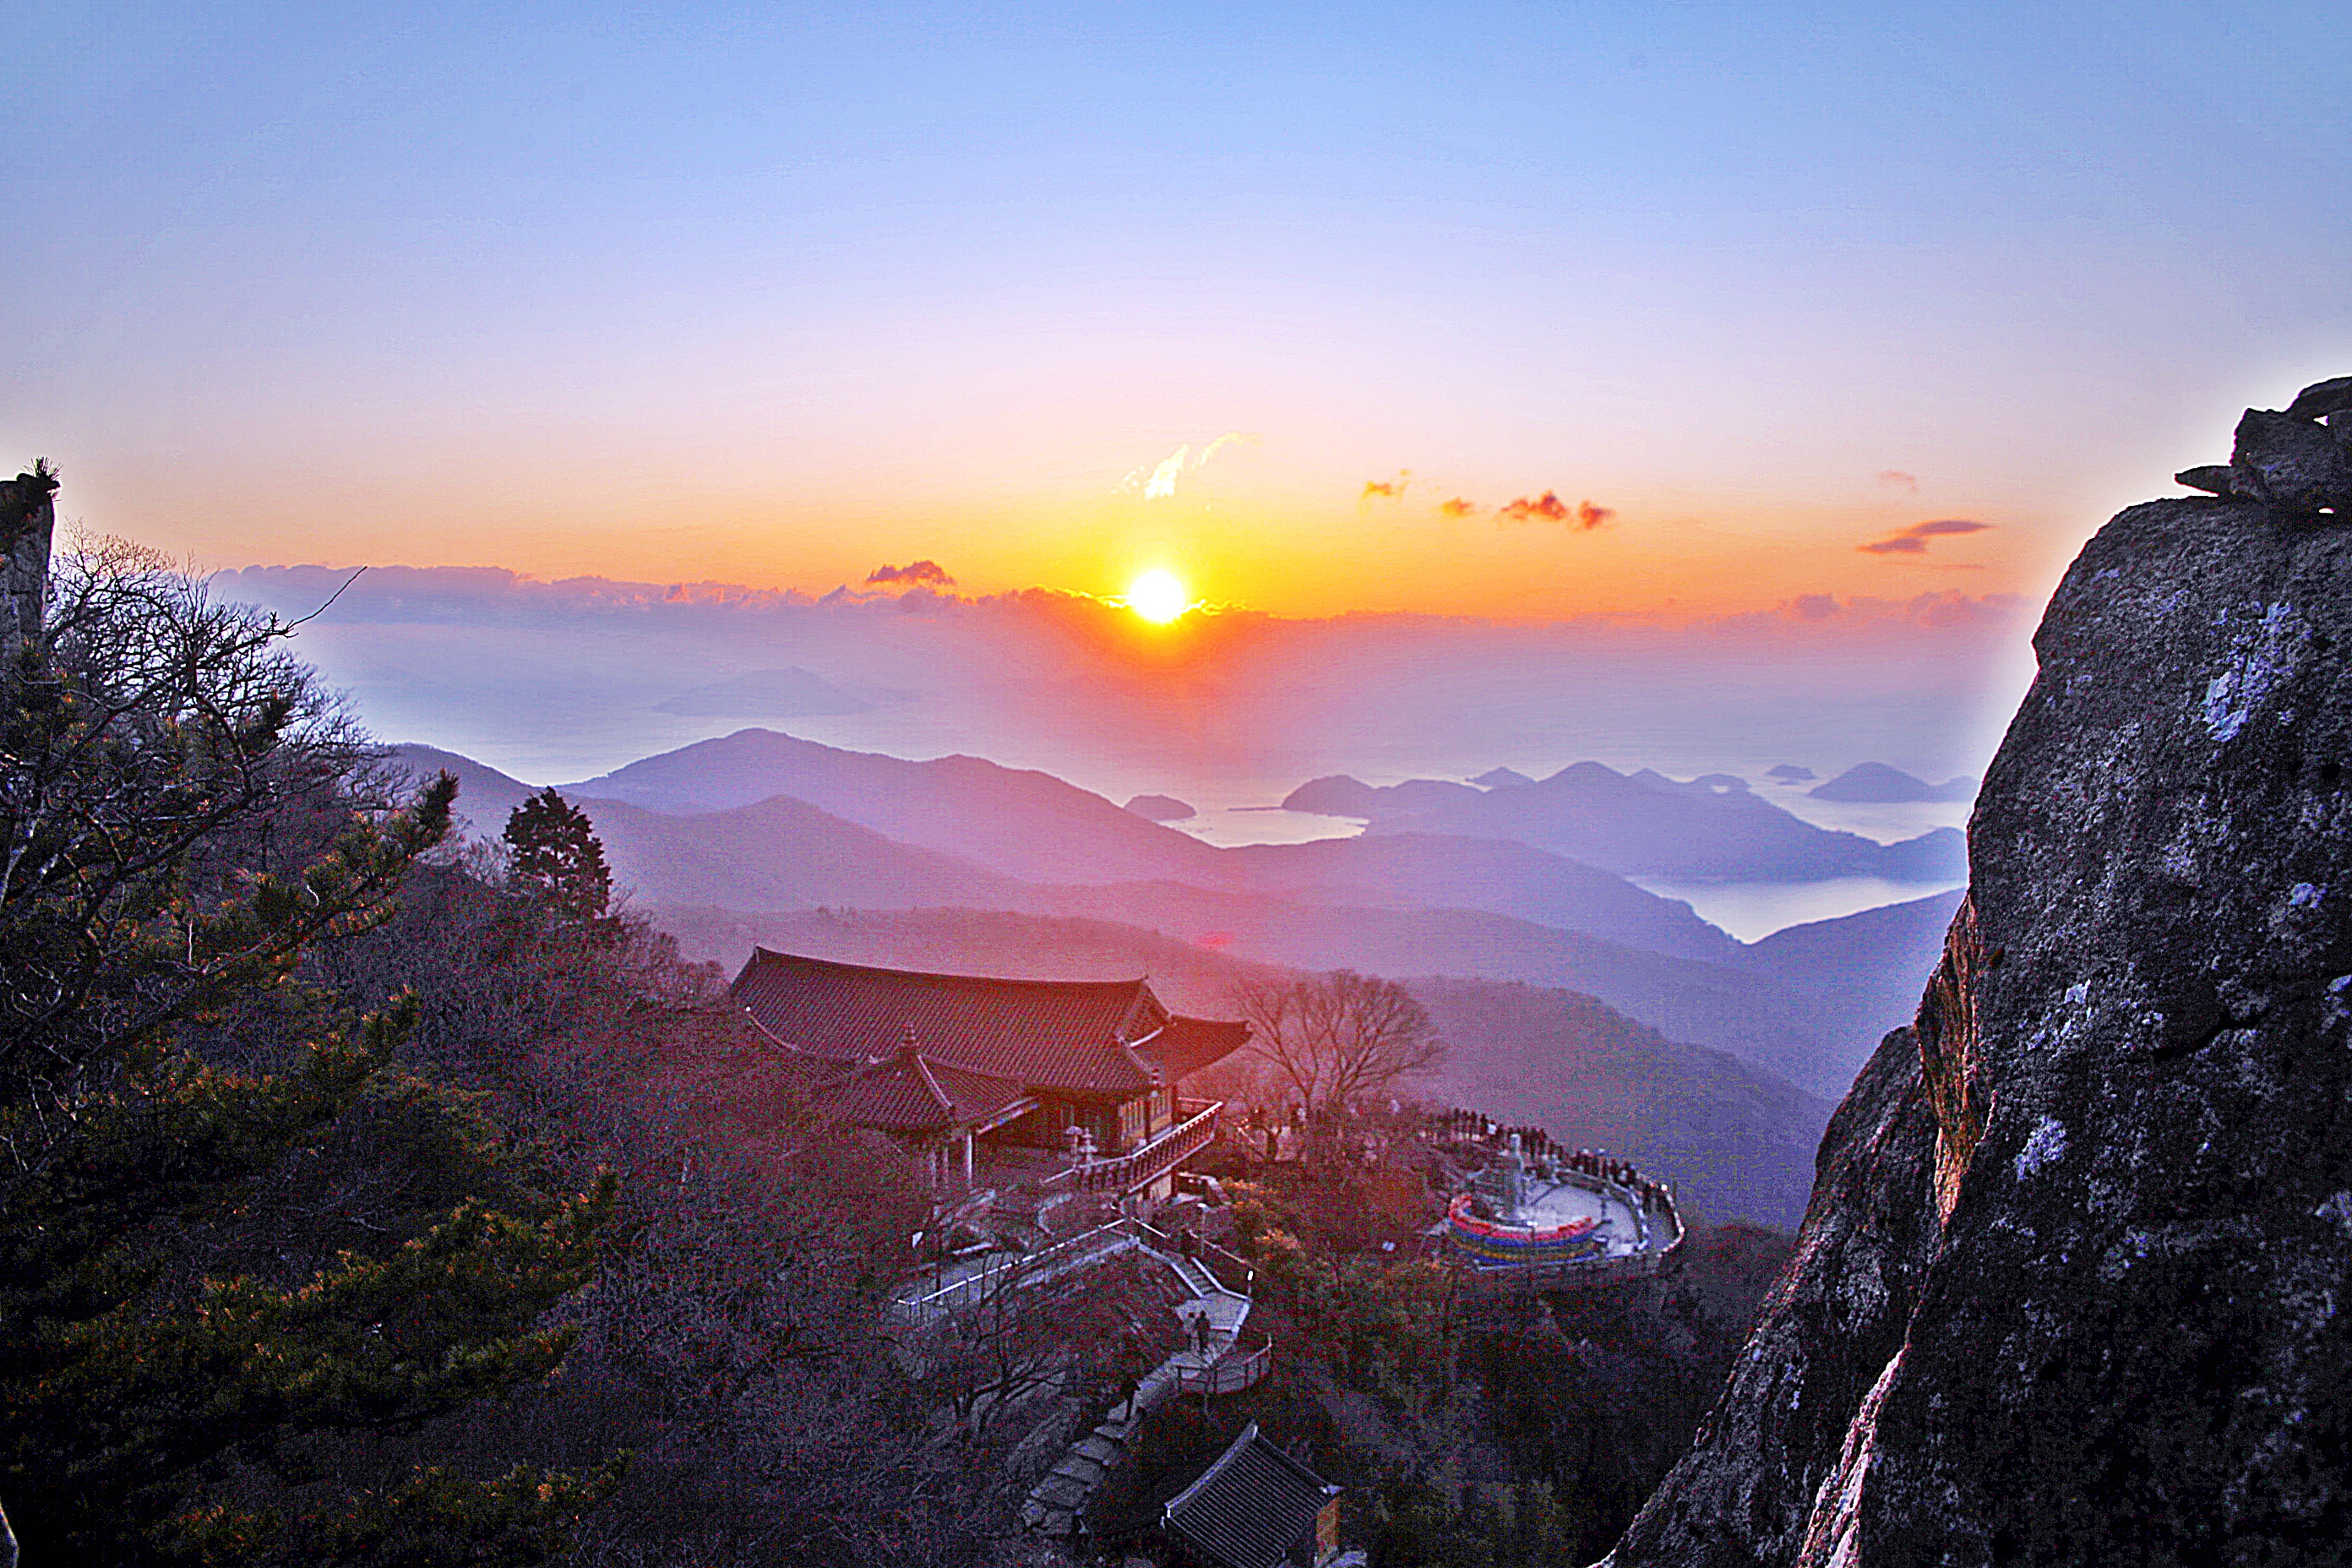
(1075, 1085)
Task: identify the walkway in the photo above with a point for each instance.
(1056, 1502)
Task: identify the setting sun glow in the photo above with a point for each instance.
(1158, 596)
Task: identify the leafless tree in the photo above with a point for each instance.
(1339, 1038)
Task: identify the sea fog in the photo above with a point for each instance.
(558, 682)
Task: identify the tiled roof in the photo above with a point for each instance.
(909, 1091)
(1043, 1034)
(1188, 1044)
(1251, 1507)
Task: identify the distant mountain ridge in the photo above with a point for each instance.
(1879, 785)
(1642, 825)
(1015, 822)
(1394, 903)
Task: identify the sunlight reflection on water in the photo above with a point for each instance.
(1752, 911)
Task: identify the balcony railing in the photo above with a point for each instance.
(1146, 1161)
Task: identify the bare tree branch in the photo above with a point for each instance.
(1339, 1038)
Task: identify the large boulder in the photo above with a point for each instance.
(2068, 1289)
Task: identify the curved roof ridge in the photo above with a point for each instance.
(1086, 1036)
(758, 952)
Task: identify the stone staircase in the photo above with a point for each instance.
(1056, 1502)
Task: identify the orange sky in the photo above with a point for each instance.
(1248, 529)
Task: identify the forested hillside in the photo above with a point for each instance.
(447, 1215)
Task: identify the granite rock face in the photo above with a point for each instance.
(2069, 1287)
(28, 516)
(2298, 457)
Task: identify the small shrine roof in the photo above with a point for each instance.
(1249, 1508)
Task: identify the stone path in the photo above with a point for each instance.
(1056, 1502)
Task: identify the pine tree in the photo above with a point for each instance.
(182, 816)
(557, 858)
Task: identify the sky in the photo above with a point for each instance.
(1722, 295)
(554, 683)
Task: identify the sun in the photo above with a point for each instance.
(1158, 596)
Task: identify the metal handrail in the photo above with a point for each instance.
(1119, 1234)
(1201, 1246)
(1229, 1376)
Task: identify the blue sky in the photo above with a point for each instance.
(772, 295)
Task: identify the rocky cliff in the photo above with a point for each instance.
(2067, 1289)
(28, 516)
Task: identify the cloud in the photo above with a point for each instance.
(1457, 507)
(1547, 506)
(1159, 483)
(1896, 478)
(1945, 610)
(1385, 489)
(1551, 508)
(1913, 540)
(1162, 483)
(925, 571)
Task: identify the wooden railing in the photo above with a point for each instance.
(1146, 1161)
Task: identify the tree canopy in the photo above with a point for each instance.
(554, 855)
(196, 1308)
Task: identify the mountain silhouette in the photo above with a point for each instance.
(1876, 784)
(1015, 822)
(1647, 824)
(1392, 903)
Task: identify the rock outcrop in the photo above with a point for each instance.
(2068, 1289)
(28, 516)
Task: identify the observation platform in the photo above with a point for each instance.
(1559, 1220)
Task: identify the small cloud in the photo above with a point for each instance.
(1913, 540)
(1547, 506)
(1551, 508)
(1457, 507)
(1896, 479)
(929, 572)
(1813, 608)
(1385, 489)
(1162, 483)
(1158, 482)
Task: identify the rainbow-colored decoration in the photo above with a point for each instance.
(1488, 1242)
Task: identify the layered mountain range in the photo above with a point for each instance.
(1643, 823)
(739, 839)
